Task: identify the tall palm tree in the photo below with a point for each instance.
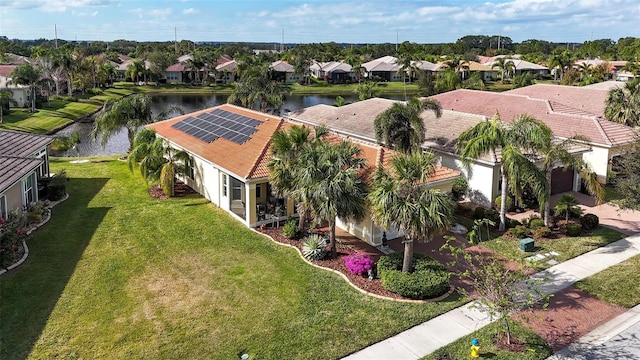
(131, 112)
(157, 162)
(555, 151)
(505, 65)
(514, 142)
(329, 176)
(623, 104)
(286, 147)
(401, 127)
(137, 70)
(400, 198)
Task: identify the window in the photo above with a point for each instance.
(258, 191)
(3, 207)
(191, 173)
(236, 186)
(224, 185)
(29, 195)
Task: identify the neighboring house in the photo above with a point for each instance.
(521, 66)
(567, 110)
(23, 160)
(176, 73)
(284, 72)
(333, 71)
(226, 72)
(239, 184)
(121, 69)
(20, 93)
(486, 72)
(383, 69)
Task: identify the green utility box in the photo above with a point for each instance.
(526, 245)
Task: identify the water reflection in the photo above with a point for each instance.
(119, 143)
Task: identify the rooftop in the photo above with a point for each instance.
(14, 169)
(19, 144)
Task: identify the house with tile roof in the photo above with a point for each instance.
(230, 147)
(521, 66)
(383, 69)
(284, 72)
(23, 160)
(332, 71)
(568, 111)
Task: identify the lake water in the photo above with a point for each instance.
(119, 144)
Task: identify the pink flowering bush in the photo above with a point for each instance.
(359, 264)
(12, 234)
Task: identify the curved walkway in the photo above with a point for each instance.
(429, 336)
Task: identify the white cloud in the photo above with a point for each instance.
(53, 5)
(189, 11)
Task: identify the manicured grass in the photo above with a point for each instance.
(617, 285)
(220, 89)
(117, 274)
(568, 247)
(321, 87)
(536, 347)
(53, 115)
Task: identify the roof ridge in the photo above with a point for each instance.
(601, 130)
(264, 149)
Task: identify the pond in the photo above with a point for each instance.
(119, 144)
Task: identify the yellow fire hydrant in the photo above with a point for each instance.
(475, 348)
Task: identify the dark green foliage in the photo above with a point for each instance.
(290, 229)
(574, 229)
(541, 232)
(589, 222)
(493, 215)
(57, 187)
(479, 213)
(628, 185)
(511, 223)
(498, 201)
(459, 188)
(428, 278)
(518, 232)
(536, 223)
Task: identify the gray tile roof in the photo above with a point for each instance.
(14, 143)
(14, 169)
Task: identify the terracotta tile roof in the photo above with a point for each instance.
(282, 66)
(231, 65)
(14, 143)
(509, 105)
(177, 67)
(5, 70)
(587, 100)
(605, 85)
(243, 160)
(14, 169)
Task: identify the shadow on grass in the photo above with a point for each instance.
(31, 292)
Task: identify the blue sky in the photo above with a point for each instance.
(373, 21)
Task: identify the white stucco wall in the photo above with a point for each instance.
(598, 160)
(483, 179)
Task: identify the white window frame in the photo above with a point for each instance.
(225, 182)
(4, 212)
(191, 171)
(28, 192)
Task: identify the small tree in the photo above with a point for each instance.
(567, 205)
(498, 291)
(629, 184)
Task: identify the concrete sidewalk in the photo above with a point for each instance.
(429, 336)
(619, 338)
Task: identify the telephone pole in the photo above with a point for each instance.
(55, 30)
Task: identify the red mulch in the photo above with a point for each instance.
(570, 315)
(337, 263)
(516, 345)
(180, 189)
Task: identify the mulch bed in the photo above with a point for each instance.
(337, 263)
(180, 189)
(515, 346)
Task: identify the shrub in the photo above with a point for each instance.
(518, 232)
(536, 223)
(290, 229)
(314, 247)
(359, 264)
(479, 213)
(511, 223)
(36, 211)
(574, 229)
(589, 221)
(541, 232)
(12, 234)
(57, 187)
(459, 187)
(527, 221)
(493, 215)
(498, 202)
(428, 279)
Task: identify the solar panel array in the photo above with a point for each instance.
(209, 126)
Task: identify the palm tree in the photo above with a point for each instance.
(623, 104)
(329, 177)
(400, 198)
(137, 70)
(487, 137)
(286, 147)
(401, 127)
(447, 80)
(632, 67)
(505, 65)
(27, 74)
(553, 152)
(131, 112)
(257, 87)
(367, 90)
(567, 205)
(157, 162)
(405, 67)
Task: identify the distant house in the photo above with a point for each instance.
(23, 160)
(521, 66)
(383, 69)
(226, 72)
(333, 71)
(613, 68)
(20, 93)
(284, 72)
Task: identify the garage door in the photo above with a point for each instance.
(561, 180)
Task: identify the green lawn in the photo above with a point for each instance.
(536, 347)
(322, 87)
(617, 285)
(116, 274)
(568, 247)
(53, 115)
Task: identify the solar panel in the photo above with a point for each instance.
(219, 123)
